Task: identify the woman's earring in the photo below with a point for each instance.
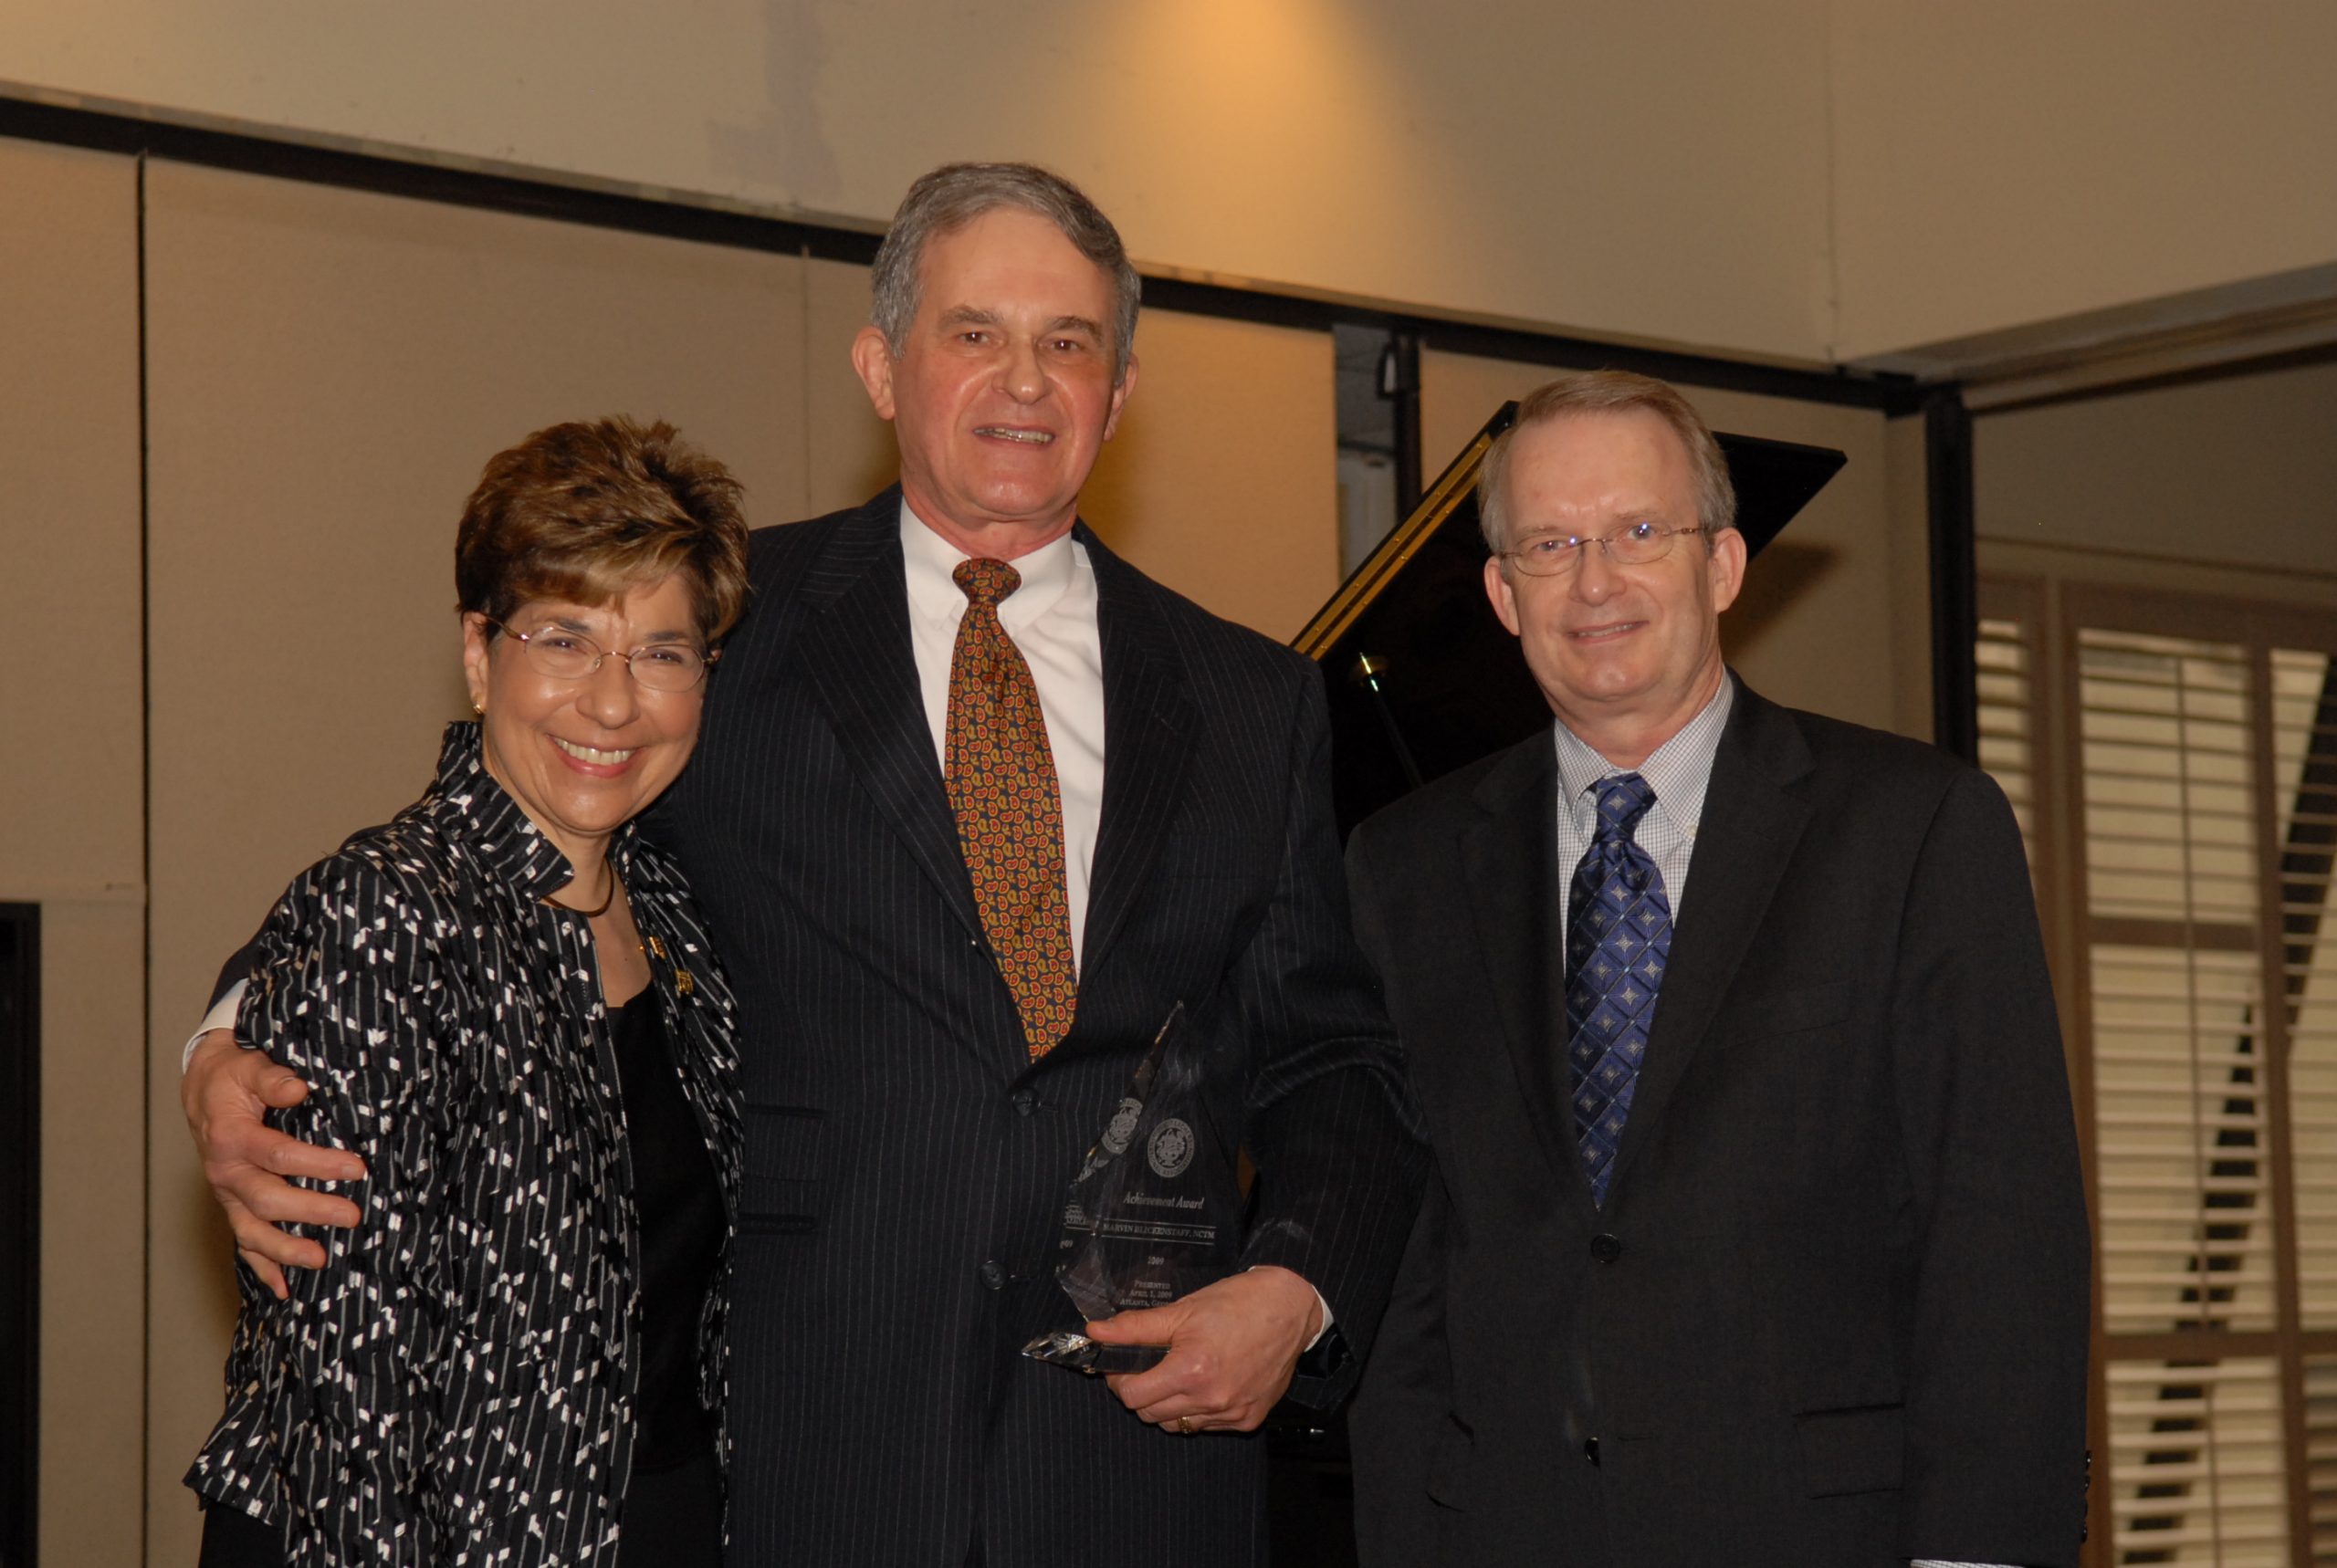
(478, 707)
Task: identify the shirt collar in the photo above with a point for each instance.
(929, 558)
(1679, 770)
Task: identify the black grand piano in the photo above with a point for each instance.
(1423, 679)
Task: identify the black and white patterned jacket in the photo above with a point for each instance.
(455, 1384)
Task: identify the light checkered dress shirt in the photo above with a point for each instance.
(1679, 771)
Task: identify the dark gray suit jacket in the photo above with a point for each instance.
(1835, 1309)
(907, 1166)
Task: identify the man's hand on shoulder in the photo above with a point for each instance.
(1233, 1347)
(225, 1092)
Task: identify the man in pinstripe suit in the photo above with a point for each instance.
(910, 1137)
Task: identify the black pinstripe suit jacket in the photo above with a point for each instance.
(906, 1164)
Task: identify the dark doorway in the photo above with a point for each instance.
(20, 1227)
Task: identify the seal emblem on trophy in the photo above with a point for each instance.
(1141, 1232)
(1122, 1127)
(1169, 1149)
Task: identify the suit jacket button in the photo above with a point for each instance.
(1590, 1451)
(1606, 1248)
(992, 1273)
(1025, 1101)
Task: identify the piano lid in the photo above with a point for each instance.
(1421, 678)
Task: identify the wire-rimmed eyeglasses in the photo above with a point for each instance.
(1636, 544)
(566, 655)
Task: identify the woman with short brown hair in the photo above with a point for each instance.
(506, 1003)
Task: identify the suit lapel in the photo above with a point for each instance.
(857, 651)
(1509, 855)
(1755, 813)
(1148, 723)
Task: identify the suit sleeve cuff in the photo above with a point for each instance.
(1325, 1331)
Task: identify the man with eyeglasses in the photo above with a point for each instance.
(1757, 1236)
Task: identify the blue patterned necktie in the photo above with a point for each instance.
(1618, 939)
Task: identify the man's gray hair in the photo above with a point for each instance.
(954, 196)
(1611, 392)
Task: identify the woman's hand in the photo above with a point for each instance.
(225, 1091)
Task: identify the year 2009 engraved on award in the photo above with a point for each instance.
(1153, 1212)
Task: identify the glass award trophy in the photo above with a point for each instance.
(1155, 1211)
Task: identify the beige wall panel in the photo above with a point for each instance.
(328, 372)
(1798, 178)
(71, 831)
(1376, 148)
(1223, 480)
(1814, 626)
(1999, 163)
(1657, 169)
(93, 1286)
(68, 469)
(851, 455)
(2240, 471)
(666, 95)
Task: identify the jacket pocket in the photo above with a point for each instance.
(1856, 1450)
(782, 1168)
(1451, 1466)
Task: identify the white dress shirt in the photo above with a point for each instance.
(1051, 620)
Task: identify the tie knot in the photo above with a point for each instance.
(1622, 801)
(986, 582)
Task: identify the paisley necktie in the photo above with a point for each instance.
(1001, 776)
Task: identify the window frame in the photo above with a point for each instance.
(2048, 614)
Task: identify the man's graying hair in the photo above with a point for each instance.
(1611, 392)
(954, 196)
